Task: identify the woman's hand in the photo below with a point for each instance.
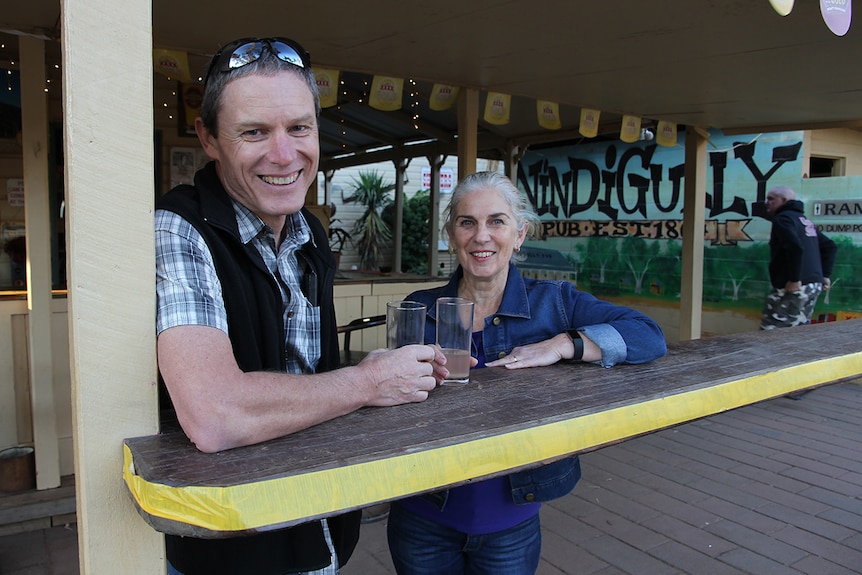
(546, 352)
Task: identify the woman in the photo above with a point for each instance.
(492, 527)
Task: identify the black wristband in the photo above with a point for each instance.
(578, 344)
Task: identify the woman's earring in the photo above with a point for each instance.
(517, 249)
(451, 249)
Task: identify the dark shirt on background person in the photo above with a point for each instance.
(800, 263)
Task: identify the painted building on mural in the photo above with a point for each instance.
(614, 212)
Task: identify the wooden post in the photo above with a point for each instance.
(468, 136)
(109, 162)
(514, 153)
(434, 233)
(398, 225)
(34, 114)
(691, 295)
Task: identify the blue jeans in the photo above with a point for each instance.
(422, 547)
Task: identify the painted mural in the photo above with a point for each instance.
(612, 216)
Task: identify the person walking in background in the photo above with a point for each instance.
(800, 262)
(491, 527)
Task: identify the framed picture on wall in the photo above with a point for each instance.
(184, 163)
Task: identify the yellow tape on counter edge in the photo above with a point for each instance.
(326, 492)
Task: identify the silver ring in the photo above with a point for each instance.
(514, 358)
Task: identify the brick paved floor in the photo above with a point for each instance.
(772, 488)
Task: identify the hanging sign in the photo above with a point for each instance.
(386, 93)
(837, 15)
(497, 107)
(172, 63)
(443, 97)
(665, 134)
(630, 129)
(327, 86)
(783, 7)
(589, 125)
(549, 114)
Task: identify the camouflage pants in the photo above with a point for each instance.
(787, 309)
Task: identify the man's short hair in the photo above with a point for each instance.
(267, 65)
(785, 192)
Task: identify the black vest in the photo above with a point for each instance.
(254, 305)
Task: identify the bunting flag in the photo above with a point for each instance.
(665, 133)
(630, 129)
(386, 93)
(783, 7)
(837, 15)
(549, 114)
(497, 107)
(172, 63)
(327, 86)
(589, 126)
(443, 97)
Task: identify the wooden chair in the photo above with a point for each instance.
(349, 357)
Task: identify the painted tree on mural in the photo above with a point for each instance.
(846, 276)
(666, 269)
(597, 256)
(728, 268)
(637, 254)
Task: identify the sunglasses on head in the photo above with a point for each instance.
(242, 52)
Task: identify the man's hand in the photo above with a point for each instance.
(793, 287)
(220, 407)
(403, 375)
(827, 283)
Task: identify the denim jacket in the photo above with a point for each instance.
(535, 310)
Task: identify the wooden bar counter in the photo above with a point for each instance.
(501, 421)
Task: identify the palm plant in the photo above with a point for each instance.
(370, 190)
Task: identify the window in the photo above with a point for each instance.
(822, 167)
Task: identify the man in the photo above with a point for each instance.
(246, 325)
(801, 260)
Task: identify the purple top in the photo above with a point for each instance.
(480, 507)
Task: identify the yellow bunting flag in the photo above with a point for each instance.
(386, 93)
(549, 114)
(443, 96)
(497, 107)
(589, 126)
(327, 86)
(630, 129)
(172, 63)
(665, 134)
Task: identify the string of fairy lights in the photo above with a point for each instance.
(10, 67)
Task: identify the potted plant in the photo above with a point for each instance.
(338, 236)
(371, 191)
